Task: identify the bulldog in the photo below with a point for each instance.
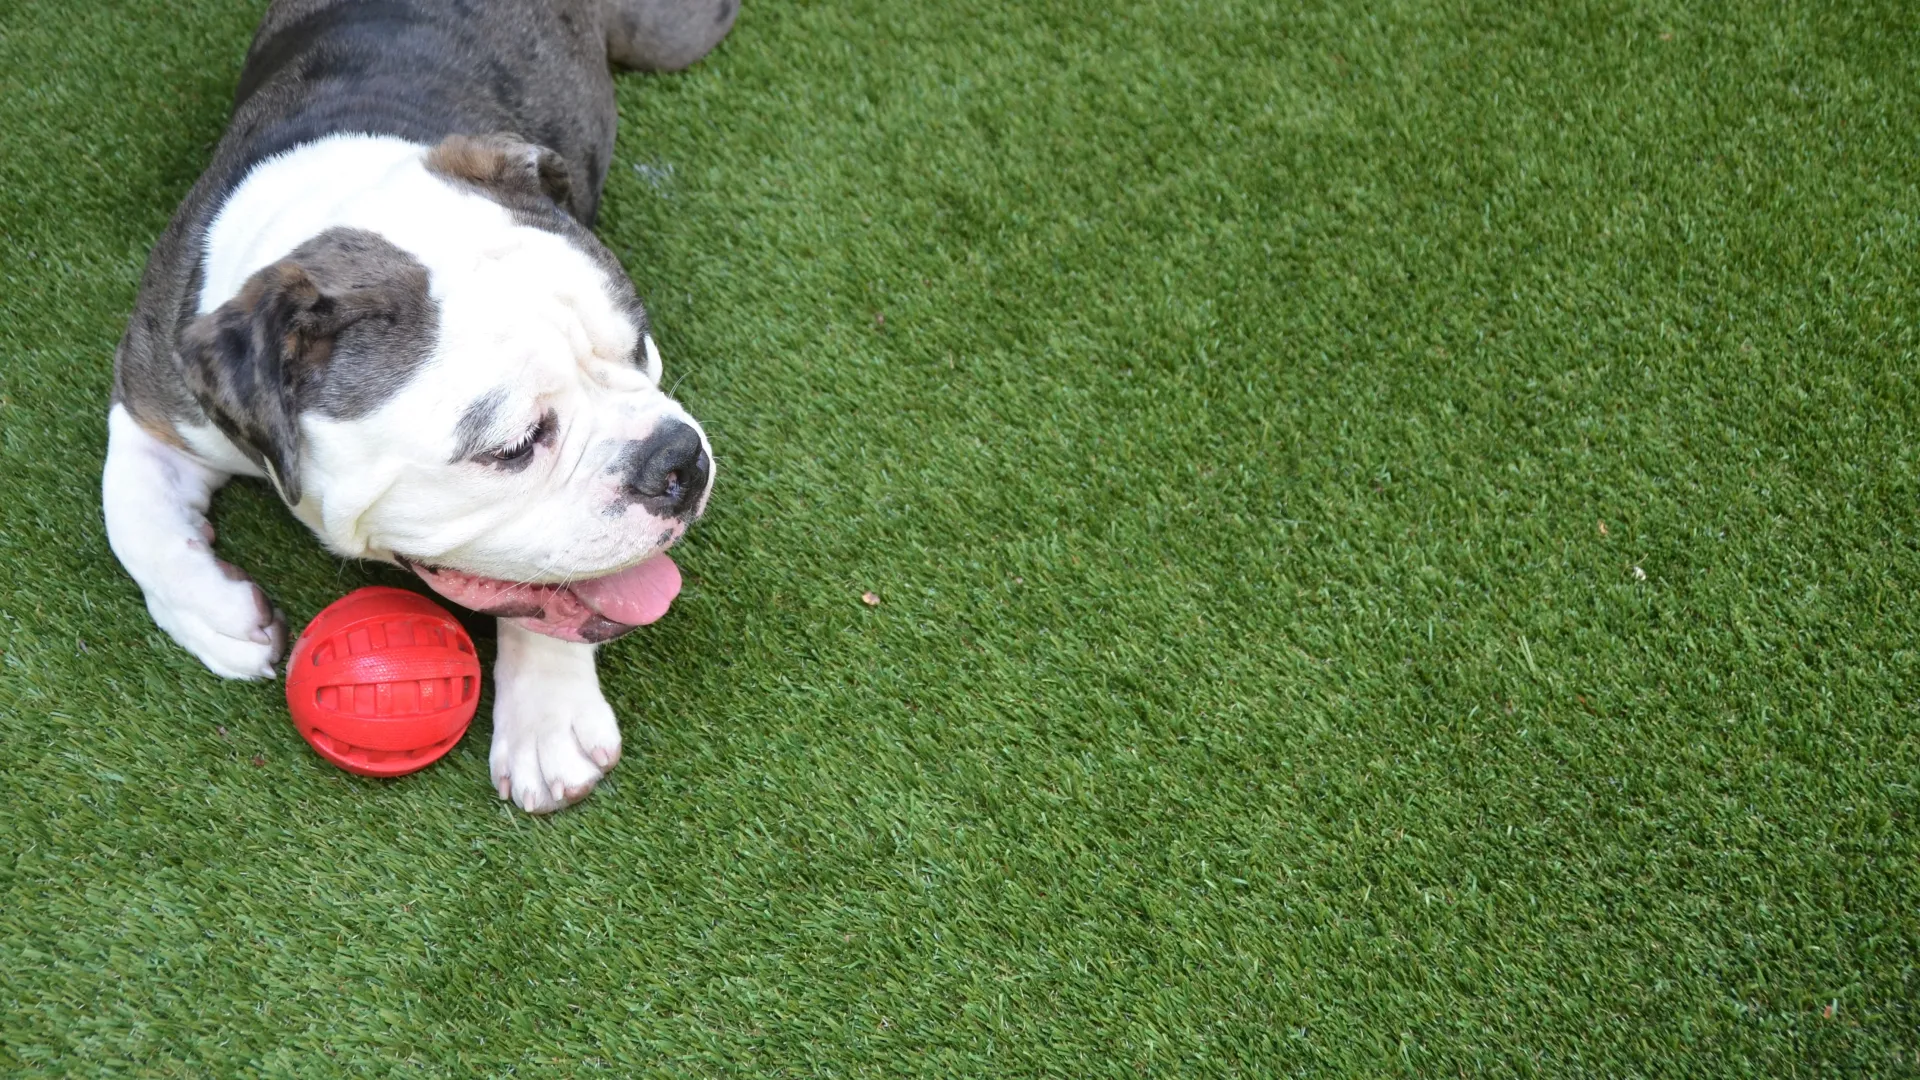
(384, 297)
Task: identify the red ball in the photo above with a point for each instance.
(383, 682)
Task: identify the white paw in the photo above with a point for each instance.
(215, 612)
(553, 739)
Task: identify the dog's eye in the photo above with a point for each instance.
(521, 451)
(515, 453)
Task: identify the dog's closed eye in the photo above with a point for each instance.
(516, 456)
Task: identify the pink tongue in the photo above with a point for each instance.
(636, 596)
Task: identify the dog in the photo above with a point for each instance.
(384, 297)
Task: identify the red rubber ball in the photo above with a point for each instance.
(383, 682)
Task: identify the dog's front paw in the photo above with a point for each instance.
(554, 737)
(154, 496)
(216, 613)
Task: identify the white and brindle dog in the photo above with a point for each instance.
(384, 298)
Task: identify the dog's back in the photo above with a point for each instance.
(426, 69)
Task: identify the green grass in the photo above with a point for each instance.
(1397, 529)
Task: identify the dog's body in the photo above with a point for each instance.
(383, 296)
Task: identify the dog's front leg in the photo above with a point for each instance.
(553, 733)
(156, 498)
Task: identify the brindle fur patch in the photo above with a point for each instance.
(337, 327)
(521, 176)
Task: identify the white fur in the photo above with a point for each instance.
(212, 446)
(554, 735)
(653, 359)
(373, 182)
(156, 500)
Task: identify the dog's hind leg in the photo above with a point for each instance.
(665, 35)
(156, 499)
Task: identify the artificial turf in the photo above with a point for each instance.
(1395, 525)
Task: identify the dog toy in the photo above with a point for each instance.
(383, 682)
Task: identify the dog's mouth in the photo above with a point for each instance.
(589, 610)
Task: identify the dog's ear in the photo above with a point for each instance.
(254, 361)
(509, 169)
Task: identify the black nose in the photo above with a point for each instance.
(667, 471)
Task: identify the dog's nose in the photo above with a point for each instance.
(667, 471)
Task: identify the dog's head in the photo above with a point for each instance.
(476, 395)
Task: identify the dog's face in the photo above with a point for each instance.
(483, 404)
